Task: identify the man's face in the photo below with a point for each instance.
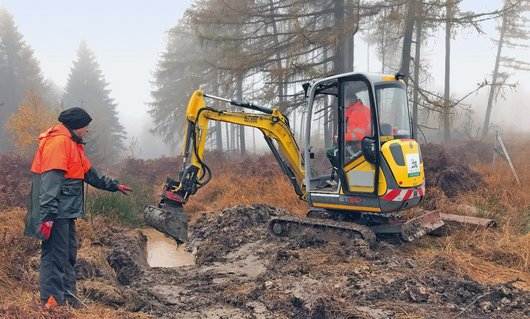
(81, 132)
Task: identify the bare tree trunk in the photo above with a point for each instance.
(446, 108)
(339, 59)
(242, 146)
(281, 82)
(349, 45)
(407, 39)
(328, 128)
(218, 129)
(382, 44)
(417, 59)
(339, 65)
(254, 140)
(293, 118)
(229, 137)
(493, 87)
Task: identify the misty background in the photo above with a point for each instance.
(130, 40)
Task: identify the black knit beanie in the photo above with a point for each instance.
(75, 118)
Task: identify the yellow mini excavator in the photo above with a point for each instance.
(360, 195)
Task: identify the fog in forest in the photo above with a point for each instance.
(152, 56)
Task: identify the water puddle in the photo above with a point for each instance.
(162, 251)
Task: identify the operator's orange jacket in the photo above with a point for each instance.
(358, 123)
(61, 153)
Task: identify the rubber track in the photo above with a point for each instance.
(314, 223)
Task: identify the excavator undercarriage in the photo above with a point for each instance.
(170, 218)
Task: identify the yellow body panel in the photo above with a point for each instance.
(410, 174)
(360, 165)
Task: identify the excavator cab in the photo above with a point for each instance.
(365, 162)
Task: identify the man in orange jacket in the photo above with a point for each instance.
(60, 169)
(358, 124)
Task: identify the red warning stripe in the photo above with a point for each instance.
(403, 194)
(408, 194)
(392, 194)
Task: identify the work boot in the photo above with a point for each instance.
(51, 303)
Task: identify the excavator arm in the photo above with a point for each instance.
(273, 125)
(169, 217)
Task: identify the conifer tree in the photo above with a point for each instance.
(87, 88)
(513, 32)
(182, 69)
(19, 73)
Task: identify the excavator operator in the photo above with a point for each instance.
(357, 126)
(357, 116)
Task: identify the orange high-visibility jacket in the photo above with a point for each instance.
(60, 169)
(57, 150)
(358, 122)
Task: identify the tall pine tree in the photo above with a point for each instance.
(87, 88)
(19, 73)
(181, 69)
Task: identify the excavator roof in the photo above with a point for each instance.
(328, 85)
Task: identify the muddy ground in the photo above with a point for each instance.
(243, 272)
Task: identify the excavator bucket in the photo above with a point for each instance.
(421, 225)
(169, 219)
(413, 228)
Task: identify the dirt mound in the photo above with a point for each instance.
(447, 172)
(216, 234)
(443, 284)
(126, 255)
(15, 182)
(471, 152)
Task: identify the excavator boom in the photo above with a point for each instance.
(169, 216)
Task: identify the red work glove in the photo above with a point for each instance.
(45, 229)
(124, 189)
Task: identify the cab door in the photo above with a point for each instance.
(357, 137)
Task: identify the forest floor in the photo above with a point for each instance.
(241, 271)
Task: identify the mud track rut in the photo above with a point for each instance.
(242, 272)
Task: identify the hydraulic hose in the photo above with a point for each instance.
(205, 169)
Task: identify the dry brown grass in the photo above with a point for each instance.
(249, 180)
(490, 256)
(15, 255)
(19, 290)
(502, 254)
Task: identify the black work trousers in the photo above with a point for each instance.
(58, 258)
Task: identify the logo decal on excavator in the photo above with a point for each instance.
(352, 200)
(250, 119)
(413, 165)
